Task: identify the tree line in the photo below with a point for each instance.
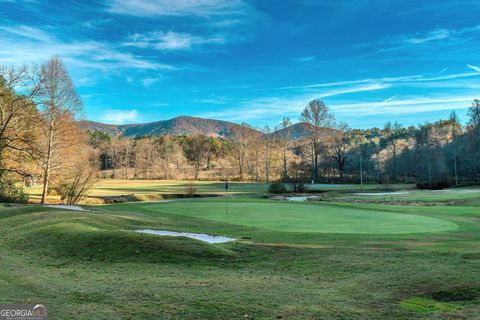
(432, 155)
(41, 142)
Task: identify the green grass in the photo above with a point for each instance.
(458, 196)
(427, 305)
(291, 261)
(287, 217)
(156, 189)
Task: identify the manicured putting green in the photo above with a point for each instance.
(321, 218)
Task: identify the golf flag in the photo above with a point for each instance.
(226, 185)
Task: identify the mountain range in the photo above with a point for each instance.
(185, 126)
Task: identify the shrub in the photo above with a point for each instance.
(9, 192)
(301, 188)
(433, 186)
(75, 184)
(277, 188)
(190, 190)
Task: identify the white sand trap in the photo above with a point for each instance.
(198, 236)
(380, 193)
(301, 198)
(66, 207)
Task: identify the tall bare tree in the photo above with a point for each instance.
(393, 132)
(268, 144)
(241, 137)
(339, 147)
(317, 115)
(455, 128)
(60, 104)
(285, 139)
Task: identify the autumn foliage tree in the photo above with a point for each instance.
(59, 132)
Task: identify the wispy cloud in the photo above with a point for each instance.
(148, 8)
(305, 59)
(114, 116)
(170, 40)
(443, 70)
(473, 67)
(25, 44)
(404, 106)
(147, 82)
(429, 39)
(390, 99)
(280, 106)
(299, 96)
(401, 80)
(438, 34)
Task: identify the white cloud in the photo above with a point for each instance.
(146, 8)
(430, 40)
(170, 40)
(305, 59)
(24, 44)
(405, 106)
(274, 106)
(473, 67)
(438, 34)
(345, 108)
(114, 116)
(405, 80)
(147, 82)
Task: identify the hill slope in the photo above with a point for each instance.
(176, 127)
(190, 126)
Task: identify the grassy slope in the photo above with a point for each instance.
(86, 266)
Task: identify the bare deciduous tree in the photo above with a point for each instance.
(76, 182)
(285, 139)
(59, 105)
(317, 115)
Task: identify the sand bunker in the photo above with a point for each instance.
(66, 207)
(302, 198)
(380, 193)
(198, 236)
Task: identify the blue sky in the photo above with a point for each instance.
(255, 61)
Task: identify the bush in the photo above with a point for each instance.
(434, 186)
(9, 192)
(277, 188)
(190, 190)
(75, 184)
(301, 188)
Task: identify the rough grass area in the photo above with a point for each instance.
(118, 191)
(90, 265)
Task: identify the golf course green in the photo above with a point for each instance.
(297, 217)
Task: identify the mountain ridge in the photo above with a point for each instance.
(186, 125)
